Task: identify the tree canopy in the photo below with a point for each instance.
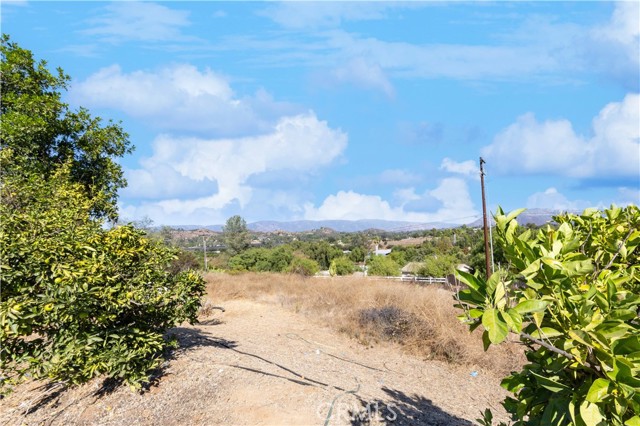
(572, 296)
(77, 300)
(236, 235)
(44, 133)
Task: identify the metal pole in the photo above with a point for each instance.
(493, 265)
(204, 249)
(484, 219)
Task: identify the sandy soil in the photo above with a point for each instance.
(259, 364)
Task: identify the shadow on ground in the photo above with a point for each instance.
(192, 338)
(402, 409)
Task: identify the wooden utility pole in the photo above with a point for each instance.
(204, 248)
(484, 219)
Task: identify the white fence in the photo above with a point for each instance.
(421, 280)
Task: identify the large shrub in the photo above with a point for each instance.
(439, 265)
(383, 266)
(571, 294)
(342, 266)
(262, 260)
(44, 132)
(78, 300)
(303, 266)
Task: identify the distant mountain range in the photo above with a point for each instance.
(535, 216)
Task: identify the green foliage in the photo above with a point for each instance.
(185, 260)
(341, 266)
(44, 134)
(438, 266)
(77, 300)
(572, 294)
(383, 266)
(303, 266)
(357, 254)
(322, 252)
(236, 235)
(399, 256)
(476, 258)
(262, 260)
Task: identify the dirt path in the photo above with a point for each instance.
(258, 364)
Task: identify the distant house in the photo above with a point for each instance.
(381, 252)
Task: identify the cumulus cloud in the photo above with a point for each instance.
(141, 21)
(532, 147)
(180, 97)
(466, 168)
(163, 181)
(552, 199)
(297, 144)
(613, 47)
(452, 195)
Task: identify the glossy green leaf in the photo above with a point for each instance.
(599, 390)
(590, 414)
(529, 306)
(495, 326)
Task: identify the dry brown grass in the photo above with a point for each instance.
(420, 319)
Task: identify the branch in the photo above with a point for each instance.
(595, 274)
(547, 345)
(556, 350)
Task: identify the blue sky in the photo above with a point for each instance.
(354, 110)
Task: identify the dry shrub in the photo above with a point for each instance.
(388, 322)
(421, 319)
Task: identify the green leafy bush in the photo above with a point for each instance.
(77, 300)
(572, 295)
(44, 133)
(185, 260)
(322, 252)
(383, 266)
(303, 266)
(341, 266)
(439, 265)
(262, 260)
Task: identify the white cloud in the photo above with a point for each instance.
(466, 168)
(297, 144)
(164, 181)
(629, 196)
(465, 62)
(305, 15)
(531, 147)
(142, 21)
(552, 199)
(613, 47)
(534, 47)
(180, 97)
(455, 205)
(362, 73)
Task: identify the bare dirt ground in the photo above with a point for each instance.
(260, 364)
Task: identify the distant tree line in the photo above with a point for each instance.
(340, 253)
